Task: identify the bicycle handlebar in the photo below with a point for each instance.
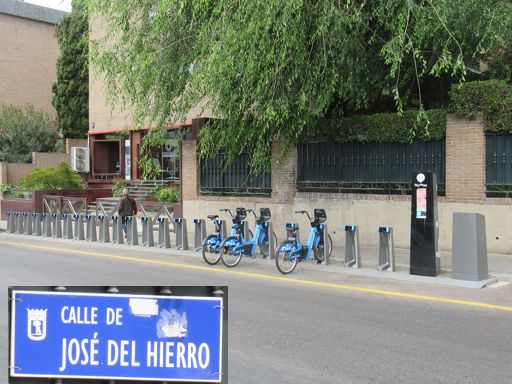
(304, 212)
(250, 210)
(227, 210)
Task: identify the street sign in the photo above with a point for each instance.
(116, 336)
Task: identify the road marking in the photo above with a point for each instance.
(271, 277)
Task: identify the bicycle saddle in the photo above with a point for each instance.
(212, 217)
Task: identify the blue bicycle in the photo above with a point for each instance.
(291, 251)
(234, 247)
(211, 244)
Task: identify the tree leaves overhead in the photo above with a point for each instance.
(270, 68)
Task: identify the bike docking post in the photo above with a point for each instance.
(164, 238)
(36, 220)
(79, 227)
(47, 224)
(27, 223)
(271, 242)
(147, 231)
(56, 226)
(352, 257)
(325, 250)
(199, 233)
(19, 223)
(117, 230)
(67, 227)
(104, 229)
(11, 223)
(245, 229)
(386, 249)
(180, 224)
(90, 223)
(132, 235)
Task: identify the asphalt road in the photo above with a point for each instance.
(306, 328)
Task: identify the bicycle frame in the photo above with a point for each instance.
(243, 248)
(303, 252)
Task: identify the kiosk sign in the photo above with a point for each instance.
(116, 336)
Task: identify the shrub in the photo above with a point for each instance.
(59, 177)
(167, 195)
(117, 188)
(25, 131)
(491, 98)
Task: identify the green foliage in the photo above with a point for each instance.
(381, 127)
(59, 177)
(269, 69)
(25, 131)
(167, 195)
(6, 188)
(117, 188)
(493, 99)
(71, 91)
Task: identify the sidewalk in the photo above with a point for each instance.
(499, 265)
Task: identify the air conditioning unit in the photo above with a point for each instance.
(80, 159)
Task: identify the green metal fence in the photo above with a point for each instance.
(498, 165)
(368, 167)
(236, 179)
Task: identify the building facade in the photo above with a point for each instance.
(29, 52)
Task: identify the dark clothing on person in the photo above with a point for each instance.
(127, 206)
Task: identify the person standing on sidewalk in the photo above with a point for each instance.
(127, 207)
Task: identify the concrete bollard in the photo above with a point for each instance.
(79, 227)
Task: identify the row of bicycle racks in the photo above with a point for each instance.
(92, 228)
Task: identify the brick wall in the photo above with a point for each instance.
(29, 51)
(189, 170)
(284, 175)
(465, 159)
(75, 143)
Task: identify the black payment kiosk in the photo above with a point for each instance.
(424, 231)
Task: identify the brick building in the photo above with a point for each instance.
(29, 51)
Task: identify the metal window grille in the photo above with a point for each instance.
(236, 179)
(498, 165)
(368, 167)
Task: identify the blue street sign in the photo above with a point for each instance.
(116, 336)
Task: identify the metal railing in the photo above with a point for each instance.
(368, 167)
(236, 179)
(498, 165)
(64, 204)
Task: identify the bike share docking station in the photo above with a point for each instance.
(386, 249)
(424, 256)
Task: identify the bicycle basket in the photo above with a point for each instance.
(320, 215)
(240, 214)
(264, 214)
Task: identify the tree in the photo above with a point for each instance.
(71, 91)
(271, 68)
(25, 131)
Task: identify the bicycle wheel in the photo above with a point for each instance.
(263, 243)
(211, 252)
(229, 258)
(319, 250)
(284, 264)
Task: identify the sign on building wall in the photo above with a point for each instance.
(116, 336)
